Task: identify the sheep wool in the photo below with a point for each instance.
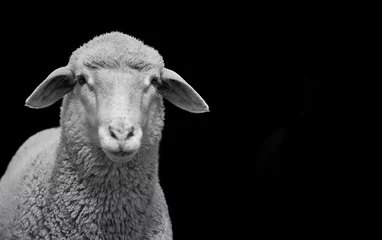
(117, 50)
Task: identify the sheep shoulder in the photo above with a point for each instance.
(32, 162)
(29, 150)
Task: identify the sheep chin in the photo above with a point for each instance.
(121, 156)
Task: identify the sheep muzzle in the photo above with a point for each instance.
(120, 140)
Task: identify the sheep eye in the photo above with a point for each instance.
(155, 81)
(81, 80)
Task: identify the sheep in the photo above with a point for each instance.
(96, 176)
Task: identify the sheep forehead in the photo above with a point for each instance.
(117, 50)
(130, 78)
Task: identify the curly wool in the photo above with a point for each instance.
(117, 50)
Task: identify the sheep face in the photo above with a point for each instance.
(121, 106)
(120, 98)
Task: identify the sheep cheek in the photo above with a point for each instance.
(89, 105)
(152, 126)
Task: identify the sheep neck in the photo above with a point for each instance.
(102, 199)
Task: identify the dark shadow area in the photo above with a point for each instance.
(293, 132)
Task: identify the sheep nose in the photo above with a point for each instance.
(121, 133)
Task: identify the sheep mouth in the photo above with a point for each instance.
(120, 155)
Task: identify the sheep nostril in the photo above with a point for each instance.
(112, 133)
(121, 134)
(130, 132)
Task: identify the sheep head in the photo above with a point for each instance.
(119, 91)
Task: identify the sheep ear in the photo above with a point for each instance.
(180, 93)
(54, 87)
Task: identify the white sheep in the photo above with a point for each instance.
(96, 177)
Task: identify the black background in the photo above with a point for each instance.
(260, 81)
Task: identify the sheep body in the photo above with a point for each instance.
(28, 170)
(61, 185)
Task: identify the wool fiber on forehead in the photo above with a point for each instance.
(117, 50)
